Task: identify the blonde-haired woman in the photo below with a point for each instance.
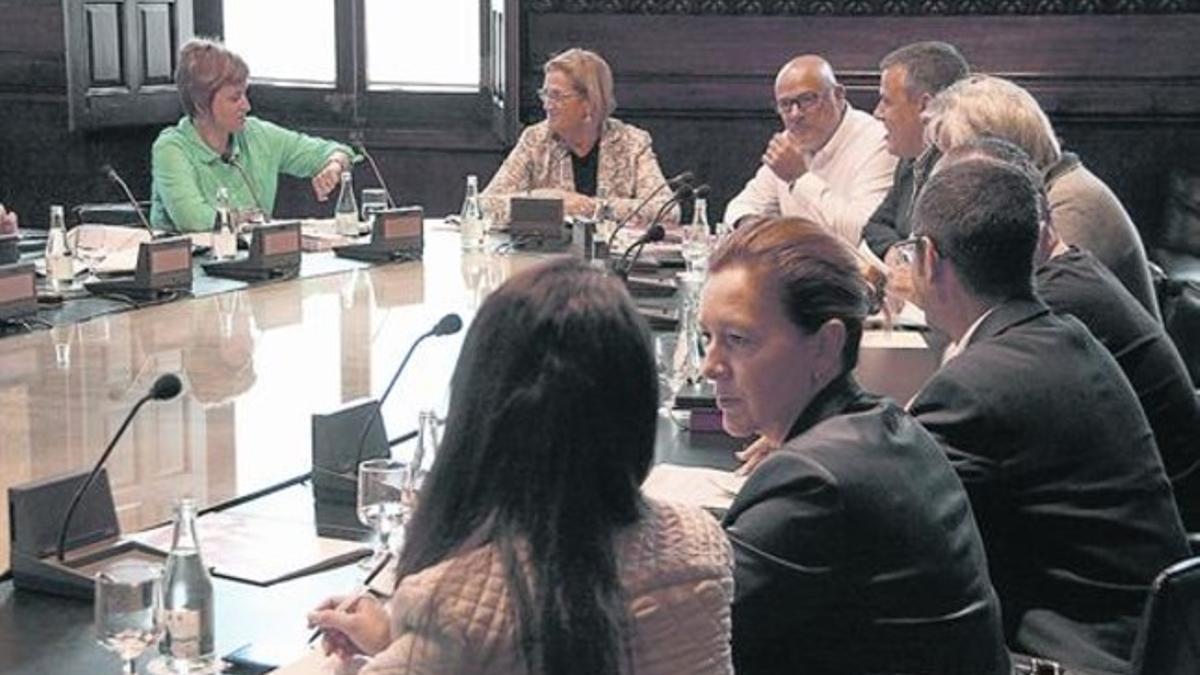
(218, 144)
(580, 153)
(1084, 210)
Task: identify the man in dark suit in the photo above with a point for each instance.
(1047, 435)
(1070, 280)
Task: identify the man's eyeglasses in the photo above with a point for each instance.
(555, 95)
(906, 250)
(804, 102)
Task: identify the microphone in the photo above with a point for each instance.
(165, 388)
(128, 194)
(362, 148)
(447, 325)
(676, 183)
(654, 233)
(228, 158)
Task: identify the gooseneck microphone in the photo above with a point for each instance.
(447, 325)
(165, 388)
(127, 193)
(362, 148)
(676, 183)
(228, 158)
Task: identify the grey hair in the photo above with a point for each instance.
(984, 105)
(591, 77)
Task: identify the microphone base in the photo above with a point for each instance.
(37, 510)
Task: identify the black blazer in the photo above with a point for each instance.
(856, 552)
(1066, 483)
(1077, 283)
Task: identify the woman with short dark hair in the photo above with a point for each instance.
(855, 547)
(218, 145)
(532, 549)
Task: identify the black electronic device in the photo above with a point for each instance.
(335, 456)
(274, 254)
(537, 223)
(164, 266)
(396, 234)
(18, 291)
(36, 513)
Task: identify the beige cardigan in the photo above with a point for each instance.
(676, 567)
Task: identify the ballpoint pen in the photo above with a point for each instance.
(363, 590)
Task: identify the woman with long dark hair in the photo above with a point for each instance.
(532, 549)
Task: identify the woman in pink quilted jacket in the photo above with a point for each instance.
(532, 549)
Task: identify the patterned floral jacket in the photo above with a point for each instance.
(628, 171)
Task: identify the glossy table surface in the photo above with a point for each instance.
(256, 364)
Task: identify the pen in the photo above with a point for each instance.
(363, 590)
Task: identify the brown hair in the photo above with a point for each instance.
(817, 274)
(205, 65)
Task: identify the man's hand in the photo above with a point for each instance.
(785, 157)
(330, 176)
(753, 455)
(362, 629)
(8, 221)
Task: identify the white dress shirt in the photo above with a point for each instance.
(845, 181)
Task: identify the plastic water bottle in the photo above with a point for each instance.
(224, 241)
(472, 217)
(696, 238)
(345, 216)
(187, 645)
(60, 268)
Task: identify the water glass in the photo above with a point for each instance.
(385, 498)
(128, 609)
(374, 200)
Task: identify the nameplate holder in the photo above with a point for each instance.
(396, 234)
(10, 248)
(164, 266)
(36, 510)
(275, 250)
(18, 291)
(537, 223)
(335, 451)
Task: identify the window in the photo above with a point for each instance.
(435, 74)
(413, 72)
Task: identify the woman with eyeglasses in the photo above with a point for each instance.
(532, 549)
(580, 153)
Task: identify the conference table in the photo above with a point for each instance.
(257, 362)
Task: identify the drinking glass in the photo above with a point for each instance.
(91, 255)
(384, 499)
(128, 609)
(374, 200)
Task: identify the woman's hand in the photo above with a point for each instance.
(363, 628)
(754, 454)
(330, 176)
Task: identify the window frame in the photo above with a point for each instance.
(485, 119)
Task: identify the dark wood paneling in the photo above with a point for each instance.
(105, 44)
(158, 45)
(1123, 91)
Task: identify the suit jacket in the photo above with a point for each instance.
(856, 552)
(1077, 283)
(891, 222)
(1065, 481)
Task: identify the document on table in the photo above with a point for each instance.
(258, 549)
(312, 663)
(697, 486)
(892, 339)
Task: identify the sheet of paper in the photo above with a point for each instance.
(312, 663)
(893, 339)
(258, 549)
(697, 486)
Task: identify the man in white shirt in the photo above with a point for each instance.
(830, 164)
